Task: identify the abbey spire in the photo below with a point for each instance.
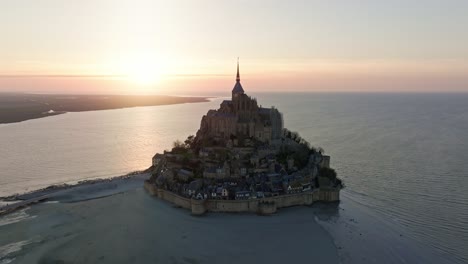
(237, 87)
(238, 76)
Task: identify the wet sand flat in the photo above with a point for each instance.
(133, 227)
(116, 221)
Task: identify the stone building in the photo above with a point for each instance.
(241, 118)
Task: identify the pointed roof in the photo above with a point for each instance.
(238, 87)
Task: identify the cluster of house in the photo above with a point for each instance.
(236, 173)
(259, 186)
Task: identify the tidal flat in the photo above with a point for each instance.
(117, 221)
(133, 227)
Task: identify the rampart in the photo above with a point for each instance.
(262, 206)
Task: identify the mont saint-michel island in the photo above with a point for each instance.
(243, 159)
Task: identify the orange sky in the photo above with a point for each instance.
(190, 47)
(292, 76)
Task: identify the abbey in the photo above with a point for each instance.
(242, 118)
(242, 159)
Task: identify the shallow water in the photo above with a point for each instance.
(402, 156)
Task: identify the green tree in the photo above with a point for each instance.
(177, 144)
(189, 141)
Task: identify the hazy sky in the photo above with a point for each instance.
(119, 46)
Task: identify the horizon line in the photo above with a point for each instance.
(255, 92)
(97, 75)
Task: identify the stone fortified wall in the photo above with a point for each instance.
(263, 206)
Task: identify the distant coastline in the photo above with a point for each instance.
(21, 107)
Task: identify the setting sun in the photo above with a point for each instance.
(143, 72)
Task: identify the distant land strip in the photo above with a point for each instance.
(21, 107)
(98, 76)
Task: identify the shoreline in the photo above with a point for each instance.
(363, 235)
(12, 203)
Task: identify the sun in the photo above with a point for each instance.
(143, 71)
(144, 76)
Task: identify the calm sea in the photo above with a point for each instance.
(403, 156)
